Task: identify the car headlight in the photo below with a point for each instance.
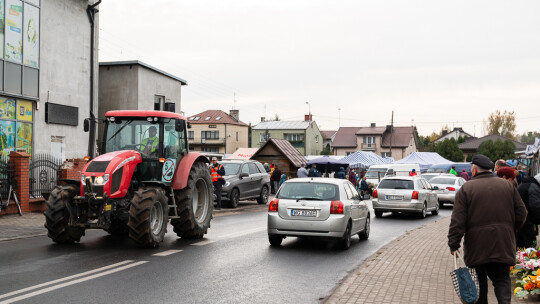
(227, 184)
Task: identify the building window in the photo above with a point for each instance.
(211, 149)
(265, 137)
(207, 118)
(369, 139)
(386, 154)
(196, 118)
(316, 138)
(218, 118)
(159, 102)
(209, 134)
(295, 137)
(191, 134)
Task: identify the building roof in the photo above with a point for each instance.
(473, 144)
(460, 130)
(282, 125)
(286, 148)
(401, 137)
(371, 130)
(214, 117)
(328, 134)
(345, 137)
(137, 62)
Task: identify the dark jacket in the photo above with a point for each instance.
(352, 178)
(464, 175)
(364, 185)
(313, 172)
(487, 211)
(340, 174)
(529, 190)
(276, 175)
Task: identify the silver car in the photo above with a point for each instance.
(448, 185)
(245, 179)
(318, 207)
(407, 194)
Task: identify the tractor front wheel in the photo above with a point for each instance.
(148, 217)
(195, 204)
(57, 216)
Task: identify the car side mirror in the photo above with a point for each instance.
(189, 125)
(244, 174)
(435, 188)
(86, 125)
(179, 125)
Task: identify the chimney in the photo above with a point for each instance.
(235, 114)
(373, 125)
(262, 119)
(444, 132)
(308, 117)
(388, 128)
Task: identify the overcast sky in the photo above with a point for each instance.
(434, 63)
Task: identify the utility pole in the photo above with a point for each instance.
(391, 132)
(339, 117)
(308, 140)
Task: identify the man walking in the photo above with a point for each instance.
(275, 178)
(302, 171)
(487, 211)
(217, 172)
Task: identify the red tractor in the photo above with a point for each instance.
(143, 177)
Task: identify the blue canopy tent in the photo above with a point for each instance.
(362, 159)
(424, 159)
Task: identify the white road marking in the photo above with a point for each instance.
(42, 291)
(229, 236)
(63, 279)
(166, 253)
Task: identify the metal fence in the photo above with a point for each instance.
(6, 175)
(44, 171)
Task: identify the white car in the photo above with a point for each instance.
(318, 207)
(448, 185)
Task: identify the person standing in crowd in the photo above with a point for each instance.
(364, 187)
(499, 164)
(275, 177)
(302, 171)
(520, 175)
(267, 168)
(217, 172)
(508, 174)
(413, 172)
(341, 173)
(313, 171)
(464, 175)
(283, 179)
(529, 190)
(272, 188)
(453, 170)
(352, 177)
(487, 212)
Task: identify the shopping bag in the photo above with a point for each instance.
(465, 282)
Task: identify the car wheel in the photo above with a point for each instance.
(345, 241)
(441, 204)
(436, 211)
(364, 235)
(275, 240)
(378, 213)
(263, 198)
(235, 197)
(424, 211)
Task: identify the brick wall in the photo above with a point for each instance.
(72, 168)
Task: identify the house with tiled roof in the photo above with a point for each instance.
(217, 132)
(304, 135)
(470, 146)
(396, 142)
(455, 134)
(328, 137)
(282, 154)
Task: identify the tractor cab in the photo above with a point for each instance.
(159, 137)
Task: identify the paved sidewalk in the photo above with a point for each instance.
(14, 226)
(415, 268)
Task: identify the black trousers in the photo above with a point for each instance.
(500, 276)
(217, 192)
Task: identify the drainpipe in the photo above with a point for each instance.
(92, 11)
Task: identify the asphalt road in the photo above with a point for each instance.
(233, 264)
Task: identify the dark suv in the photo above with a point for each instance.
(245, 179)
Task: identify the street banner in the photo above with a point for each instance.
(13, 33)
(31, 36)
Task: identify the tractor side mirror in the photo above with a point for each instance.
(179, 125)
(435, 188)
(86, 125)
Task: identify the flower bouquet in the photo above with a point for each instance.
(527, 272)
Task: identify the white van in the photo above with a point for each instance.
(377, 172)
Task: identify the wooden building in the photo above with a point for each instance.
(282, 154)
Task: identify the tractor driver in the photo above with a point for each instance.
(150, 144)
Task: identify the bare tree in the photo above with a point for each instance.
(503, 124)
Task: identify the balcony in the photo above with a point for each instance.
(369, 147)
(207, 142)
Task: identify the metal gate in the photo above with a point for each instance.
(6, 174)
(44, 170)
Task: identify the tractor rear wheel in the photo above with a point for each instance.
(195, 204)
(148, 216)
(57, 216)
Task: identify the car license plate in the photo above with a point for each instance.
(394, 197)
(304, 213)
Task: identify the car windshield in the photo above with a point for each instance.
(307, 191)
(443, 180)
(374, 173)
(396, 184)
(231, 168)
(428, 177)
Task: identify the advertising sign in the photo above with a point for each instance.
(7, 108)
(13, 35)
(7, 136)
(24, 136)
(24, 110)
(31, 36)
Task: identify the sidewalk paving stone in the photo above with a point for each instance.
(14, 226)
(415, 268)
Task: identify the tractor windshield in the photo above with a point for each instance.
(152, 139)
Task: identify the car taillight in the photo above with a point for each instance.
(414, 195)
(450, 188)
(375, 195)
(273, 205)
(336, 207)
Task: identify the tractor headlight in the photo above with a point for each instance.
(100, 180)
